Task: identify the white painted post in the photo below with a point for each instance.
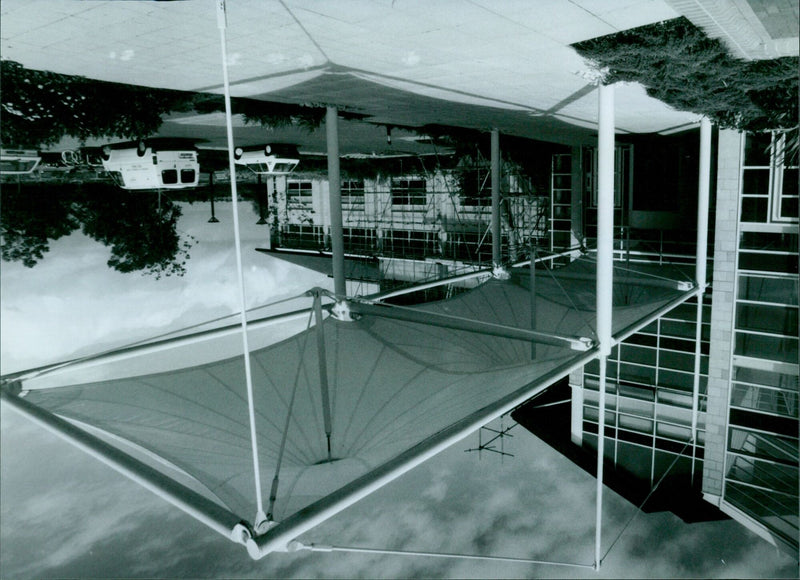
(222, 23)
(496, 235)
(700, 267)
(605, 267)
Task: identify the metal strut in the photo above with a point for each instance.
(297, 546)
(273, 493)
(323, 368)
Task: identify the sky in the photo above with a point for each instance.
(64, 514)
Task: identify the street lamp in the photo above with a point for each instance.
(213, 219)
(261, 221)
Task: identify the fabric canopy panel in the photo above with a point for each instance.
(392, 385)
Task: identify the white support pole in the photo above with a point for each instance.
(703, 188)
(605, 217)
(605, 267)
(337, 232)
(532, 274)
(497, 241)
(222, 24)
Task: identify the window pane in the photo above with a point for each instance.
(777, 348)
(562, 163)
(676, 380)
(768, 241)
(639, 355)
(773, 319)
(768, 262)
(562, 197)
(634, 374)
(687, 345)
(675, 399)
(755, 182)
(756, 149)
(676, 360)
(771, 401)
(778, 290)
(767, 474)
(789, 207)
(790, 177)
(767, 445)
(678, 329)
(777, 512)
(562, 181)
(754, 209)
(767, 378)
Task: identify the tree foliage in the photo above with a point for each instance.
(40, 107)
(679, 65)
(29, 221)
(140, 230)
(263, 113)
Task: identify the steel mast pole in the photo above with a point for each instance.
(222, 23)
(337, 232)
(497, 241)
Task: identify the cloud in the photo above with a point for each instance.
(411, 58)
(305, 61)
(71, 302)
(67, 515)
(125, 55)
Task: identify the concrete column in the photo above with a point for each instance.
(337, 234)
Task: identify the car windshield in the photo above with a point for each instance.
(117, 178)
(284, 167)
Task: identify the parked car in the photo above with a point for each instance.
(83, 157)
(268, 160)
(151, 165)
(18, 161)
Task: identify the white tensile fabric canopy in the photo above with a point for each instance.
(387, 392)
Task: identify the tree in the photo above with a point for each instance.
(30, 220)
(679, 65)
(40, 107)
(141, 231)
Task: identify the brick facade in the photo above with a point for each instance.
(722, 310)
